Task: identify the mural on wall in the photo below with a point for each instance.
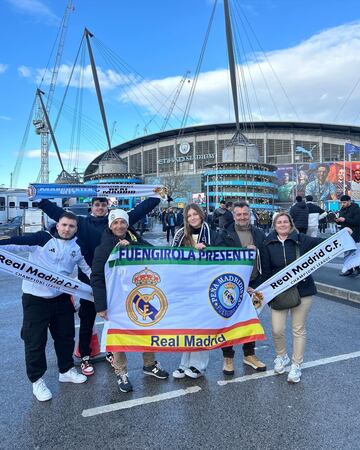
(324, 181)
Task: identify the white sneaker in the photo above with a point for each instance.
(72, 376)
(41, 391)
(280, 363)
(178, 373)
(294, 374)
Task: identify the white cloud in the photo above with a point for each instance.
(3, 68)
(317, 76)
(35, 8)
(86, 155)
(24, 71)
(108, 79)
(5, 118)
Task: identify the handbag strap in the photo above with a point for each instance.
(297, 250)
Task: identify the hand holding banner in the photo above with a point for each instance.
(179, 299)
(39, 191)
(303, 267)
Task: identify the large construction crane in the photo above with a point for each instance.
(39, 122)
(173, 103)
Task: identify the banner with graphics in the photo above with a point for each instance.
(178, 299)
(27, 270)
(324, 181)
(305, 266)
(39, 191)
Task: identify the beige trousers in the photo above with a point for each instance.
(298, 321)
(120, 361)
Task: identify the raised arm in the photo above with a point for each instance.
(51, 210)
(143, 208)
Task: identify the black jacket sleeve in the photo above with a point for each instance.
(97, 277)
(143, 208)
(40, 238)
(51, 210)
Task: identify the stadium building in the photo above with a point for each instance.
(294, 158)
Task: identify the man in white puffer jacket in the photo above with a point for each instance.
(47, 308)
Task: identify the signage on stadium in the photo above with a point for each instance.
(181, 159)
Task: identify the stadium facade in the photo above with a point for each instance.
(295, 159)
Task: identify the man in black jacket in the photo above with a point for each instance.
(300, 215)
(119, 234)
(240, 233)
(349, 216)
(90, 229)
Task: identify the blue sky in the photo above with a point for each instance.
(313, 47)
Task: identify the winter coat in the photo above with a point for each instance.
(102, 253)
(300, 214)
(228, 237)
(352, 220)
(47, 249)
(278, 255)
(90, 228)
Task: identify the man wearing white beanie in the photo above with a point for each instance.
(119, 233)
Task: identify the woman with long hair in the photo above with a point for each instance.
(281, 247)
(195, 233)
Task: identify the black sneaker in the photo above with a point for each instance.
(347, 273)
(109, 358)
(124, 383)
(156, 371)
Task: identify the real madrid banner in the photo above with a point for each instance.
(305, 265)
(38, 191)
(179, 299)
(28, 271)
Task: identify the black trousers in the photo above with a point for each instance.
(248, 349)
(168, 230)
(40, 314)
(87, 315)
(302, 230)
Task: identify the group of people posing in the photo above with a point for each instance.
(87, 241)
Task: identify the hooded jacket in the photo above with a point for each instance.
(300, 214)
(278, 255)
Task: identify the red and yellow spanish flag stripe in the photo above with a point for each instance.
(180, 340)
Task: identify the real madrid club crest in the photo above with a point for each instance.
(226, 293)
(146, 304)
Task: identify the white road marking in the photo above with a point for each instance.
(139, 401)
(270, 373)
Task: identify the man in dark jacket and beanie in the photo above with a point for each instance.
(90, 229)
(349, 216)
(240, 233)
(300, 215)
(118, 234)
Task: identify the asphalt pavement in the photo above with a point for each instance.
(247, 411)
